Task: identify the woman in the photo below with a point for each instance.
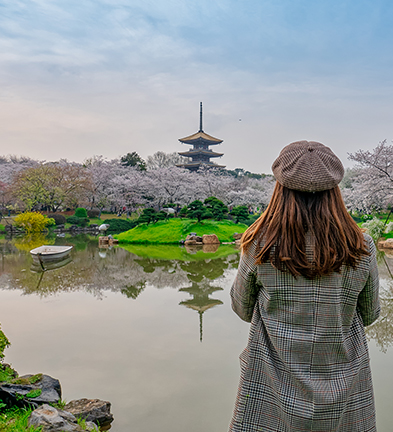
(308, 283)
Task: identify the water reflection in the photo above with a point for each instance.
(95, 271)
(131, 270)
(29, 242)
(140, 347)
(382, 330)
(200, 301)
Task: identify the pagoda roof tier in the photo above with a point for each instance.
(198, 164)
(196, 152)
(200, 137)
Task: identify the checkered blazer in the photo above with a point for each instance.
(306, 365)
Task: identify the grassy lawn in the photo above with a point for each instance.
(174, 230)
(97, 221)
(105, 217)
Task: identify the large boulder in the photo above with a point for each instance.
(195, 237)
(30, 390)
(95, 410)
(386, 244)
(51, 419)
(210, 239)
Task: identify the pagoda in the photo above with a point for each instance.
(200, 153)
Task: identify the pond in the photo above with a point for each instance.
(148, 328)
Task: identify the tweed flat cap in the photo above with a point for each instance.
(308, 166)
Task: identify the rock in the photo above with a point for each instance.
(95, 410)
(237, 236)
(54, 420)
(93, 226)
(210, 239)
(190, 242)
(387, 244)
(23, 390)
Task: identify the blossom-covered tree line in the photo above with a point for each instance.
(128, 182)
(368, 187)
(132, 183)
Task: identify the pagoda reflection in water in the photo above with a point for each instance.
(201, 301)
(201, 274)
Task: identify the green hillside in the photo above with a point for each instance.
(174, 230)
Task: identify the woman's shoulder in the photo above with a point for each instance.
(369, 242)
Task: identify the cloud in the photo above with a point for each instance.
(112, 76)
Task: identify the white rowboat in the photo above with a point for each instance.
(51, 252)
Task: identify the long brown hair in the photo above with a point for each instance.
(336, 239)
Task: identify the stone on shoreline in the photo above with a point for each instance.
(237, 236)
(387, 244)
(210, 239)
(30, 390)
(55, 420)
(95, 410)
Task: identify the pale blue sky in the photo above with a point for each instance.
(107, 77)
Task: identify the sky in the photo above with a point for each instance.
(108, 77)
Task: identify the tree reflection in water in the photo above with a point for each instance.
(382, 329)
(96, 271)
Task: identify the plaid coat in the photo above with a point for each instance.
(306, 365)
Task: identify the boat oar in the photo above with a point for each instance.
(40, 260)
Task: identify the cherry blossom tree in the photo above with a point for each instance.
(371, 187)
(51, 185)
(161, 159)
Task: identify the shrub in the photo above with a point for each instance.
(251, 219)
(80, 221)
(93, 213)
(58, 218)
(216, 207)
(196, 210)
(120, 225)
(375, 228)
(240, 213)
(81, 212)
(4, 343)
(357, 219)
(147, 216)
(183, 212)
(33, 222)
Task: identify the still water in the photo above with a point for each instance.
(148, 328)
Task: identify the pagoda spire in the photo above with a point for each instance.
(200, 118)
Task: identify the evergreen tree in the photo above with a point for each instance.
(218, 209)
(240, 213)
(196, 210)
(133, 159)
